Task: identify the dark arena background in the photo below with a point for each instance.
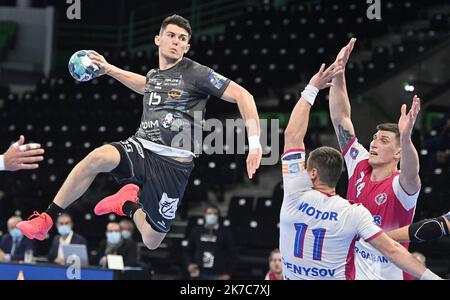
(271, 48)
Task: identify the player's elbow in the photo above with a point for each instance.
(339, 117)
(242, 95)
(410, 184)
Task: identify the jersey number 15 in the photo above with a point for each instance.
(155, 99)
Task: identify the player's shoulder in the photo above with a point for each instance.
(192, 70)
(187, 63)
(362, 166)
(345, 204)
(152, 72)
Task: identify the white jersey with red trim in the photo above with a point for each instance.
(390, 206)
(318, 231)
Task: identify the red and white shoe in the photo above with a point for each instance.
(114, 203)
(36, 228)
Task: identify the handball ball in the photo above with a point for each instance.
(81, 66)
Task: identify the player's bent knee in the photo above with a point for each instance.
(103, 159)
(153, 241)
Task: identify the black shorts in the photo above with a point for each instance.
(162, 181)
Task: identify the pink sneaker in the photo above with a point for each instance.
(114, 203)
(36, 228)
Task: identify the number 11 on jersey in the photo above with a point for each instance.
(300, 233)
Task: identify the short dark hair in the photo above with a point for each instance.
(213, 206)
(274, 251)
(392, 127)
(65, 215)
(328, 161)
(177, 20)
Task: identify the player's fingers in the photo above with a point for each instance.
(255, 163)
(415, 108)
(250, 169)
(258, 162)
(30, 159)
(351, 44)
(98, 62)
(336, 71)
(322, 67)
(329, 69)
(28, 166)
(94, 52)
(403, 110)
(251, 163)
(29, 153)
(30, 146)
(17, 144)
(21, 140)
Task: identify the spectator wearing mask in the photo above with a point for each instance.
(115, 244)
(127, 229)
(65, 236)
(211, 252)
(13, 245)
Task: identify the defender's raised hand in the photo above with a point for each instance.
(322, 79)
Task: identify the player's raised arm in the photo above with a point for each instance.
(298, 122)
(247, 107)
(409, 160)
(131, 80)
(422, 231)
(401, 257)
(340, 109)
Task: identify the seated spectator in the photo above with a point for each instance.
(13, 245)
(127, 229)
(65, 236)
(275, 266)
(211, 252)
(116, 245)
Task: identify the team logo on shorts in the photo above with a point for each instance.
(216, 80)
(354, 153)
(168, 206)
(381, 198)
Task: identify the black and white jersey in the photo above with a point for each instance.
(174, 104)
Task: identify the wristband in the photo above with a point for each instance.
(428, 275)
(310, 93)
(253, 142)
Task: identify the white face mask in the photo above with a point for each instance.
(211, 219)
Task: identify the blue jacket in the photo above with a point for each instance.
(25, 244)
